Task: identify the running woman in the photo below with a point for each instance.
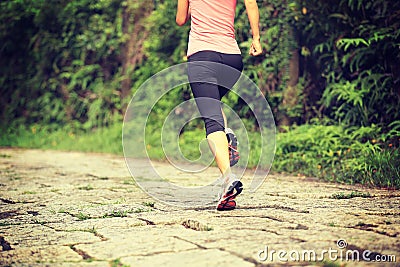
(212, 39)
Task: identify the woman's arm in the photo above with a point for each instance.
(182, 12)
(254, 17)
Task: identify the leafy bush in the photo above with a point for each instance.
(68, 69)
(64, 62)
(353, 155)
(354, 55)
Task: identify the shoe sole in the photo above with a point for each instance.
(229, 205)
(234, 189)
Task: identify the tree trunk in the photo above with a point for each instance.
(134, 30)
(290, 94)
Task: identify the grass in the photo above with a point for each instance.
(120, 201)
(36, 221)
(149, 204)
(52, 211)
(140, 210)
(92, 230)
(106, 140)
(87, 187)
(353, 194)
(129, 182)
(62, 210)
(9, 224)
(116, 214)
(82, 217)
(29, 193)
(117, 263)
(332, 152)
(352, 155)
(119, 213)
(87, 230)
(197, 226)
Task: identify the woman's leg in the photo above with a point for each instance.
(219, 146)
(227, 78)
(209, 105)
(203, 77)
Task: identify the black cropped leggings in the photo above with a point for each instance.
(210, 82)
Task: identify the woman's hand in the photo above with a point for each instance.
(254, 17)
(255, 48)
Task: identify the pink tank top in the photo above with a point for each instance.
(212, 26)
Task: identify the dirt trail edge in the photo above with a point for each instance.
(79, 209)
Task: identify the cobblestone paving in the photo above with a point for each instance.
(77, 209)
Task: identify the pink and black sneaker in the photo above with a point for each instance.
(233, 188)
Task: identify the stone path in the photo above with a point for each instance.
(76, 209)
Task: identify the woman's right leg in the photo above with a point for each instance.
(219, 146)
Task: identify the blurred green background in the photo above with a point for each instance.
(330, 72)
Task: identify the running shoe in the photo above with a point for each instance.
(233, 188)
(229, 205)
(232, 146)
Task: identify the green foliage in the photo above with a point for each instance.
(355, 45)
(63, 66)
(270, 71)
(167, 41)
(351, 155)
(68, 68)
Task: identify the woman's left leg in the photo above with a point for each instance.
(209, 83)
